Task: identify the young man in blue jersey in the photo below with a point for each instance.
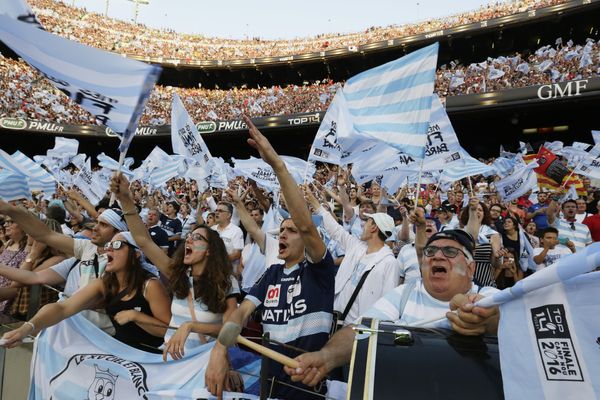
(295, 299)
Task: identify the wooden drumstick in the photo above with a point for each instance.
(230, 335)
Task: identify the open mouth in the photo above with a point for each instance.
(188, 251)
(428, 230)
(437, 270)
(282, 247)
(109, 258)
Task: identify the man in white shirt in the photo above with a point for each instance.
(551, 251)
(231, 234)
(367, 256)
(448, 268)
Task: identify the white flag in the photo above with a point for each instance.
(518, 183)
(326, 147)
(442, 146)
(88, 184)
(112, 88)
(596, 137)
(185, 138)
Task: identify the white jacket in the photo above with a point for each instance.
(383, 277)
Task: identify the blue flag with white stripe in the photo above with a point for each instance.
(39, 178)
(112, 88)
(75, 360)
(13, 186)
(392, 102)
(503, 166)
(175, 167)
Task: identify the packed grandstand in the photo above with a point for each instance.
(406, 238)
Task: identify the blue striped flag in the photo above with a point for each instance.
(503, 166)
(113, 165)
(13, 186)
(392, 102)
(112, 88)
(39, 178)
(471, 167)
(175, 167)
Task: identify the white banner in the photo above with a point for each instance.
(75, 360)
(185, 138)
(517, 184)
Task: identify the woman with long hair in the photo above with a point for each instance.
(510, 235)
(40, 257)
(135, 300)
(14, 252)
(199, 274)
(476, 219)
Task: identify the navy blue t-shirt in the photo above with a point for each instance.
(296, 308)
(172, 227)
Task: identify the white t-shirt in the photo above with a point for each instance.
(552, 256)
(233, 237)
(409, 263)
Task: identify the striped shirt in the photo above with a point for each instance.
(576, 232)
(409, 263)
(420, 306)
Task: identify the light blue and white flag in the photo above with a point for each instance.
(63, 147)
(392, 102)
(113, 165)
(326, 147)
(502, 166)
(20, 10)
(13, 186)
(547, 333)
(87, 182)
(75, 360)
(525, 252)
(596, 137)
(518, 183)
(185, 138)
(470, 167)
(264, 176)
(442, 147)
(220, 173)
(78, 160)
(590, 164)
(169, 170)
(112, 88)
(39, 178)
(555, 146)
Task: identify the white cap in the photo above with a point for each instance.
(384, 222)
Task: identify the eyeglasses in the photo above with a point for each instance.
(447, 251)
(117, 244)
(196, 237)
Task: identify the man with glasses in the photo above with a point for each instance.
(568, 227)
(447, 269)
(232, 235)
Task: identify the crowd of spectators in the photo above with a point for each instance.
(28, 95)
(136, 39)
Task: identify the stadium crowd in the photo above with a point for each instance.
(434, 240)
(136, 39)
(28, 95)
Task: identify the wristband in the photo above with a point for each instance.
(31, 324)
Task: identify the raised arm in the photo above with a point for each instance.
(263, 200)
(418, 219)
(473, 224)
(83, 202)
(293, 196)
(51, 314)
(120, 186)
(35, 228)
(249, 223)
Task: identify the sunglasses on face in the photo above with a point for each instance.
(117, 244)
(196, 237)
(447, 251)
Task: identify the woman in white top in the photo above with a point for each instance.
(199, 274)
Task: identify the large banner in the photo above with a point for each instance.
(74, 360)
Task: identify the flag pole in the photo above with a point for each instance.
(113, 196)
(562, 186)
(418, 184)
